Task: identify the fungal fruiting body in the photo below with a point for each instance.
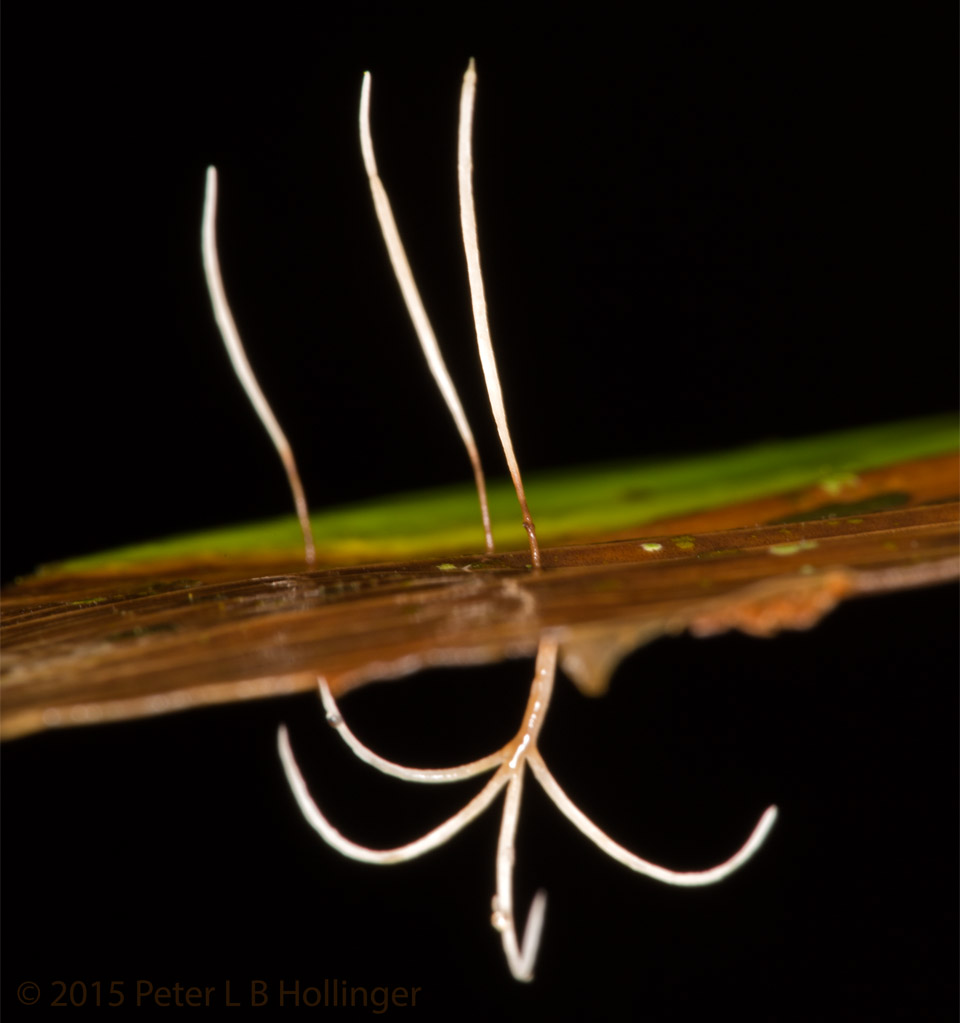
(509, 763)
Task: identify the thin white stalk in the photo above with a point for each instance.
(414, 304)
(437, 837)
(512, 760)
(241, 365)
(429, 775)
(688, 879)
(520, 955)
(468, 224)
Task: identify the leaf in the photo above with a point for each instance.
(782, 479)
(752, 250)
(121, 635)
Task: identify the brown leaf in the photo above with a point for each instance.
(142, 647)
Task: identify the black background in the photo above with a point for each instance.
(696, 233)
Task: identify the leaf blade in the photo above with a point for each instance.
(570, 505)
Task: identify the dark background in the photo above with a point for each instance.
(696, 233)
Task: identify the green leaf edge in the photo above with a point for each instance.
(568, 504)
